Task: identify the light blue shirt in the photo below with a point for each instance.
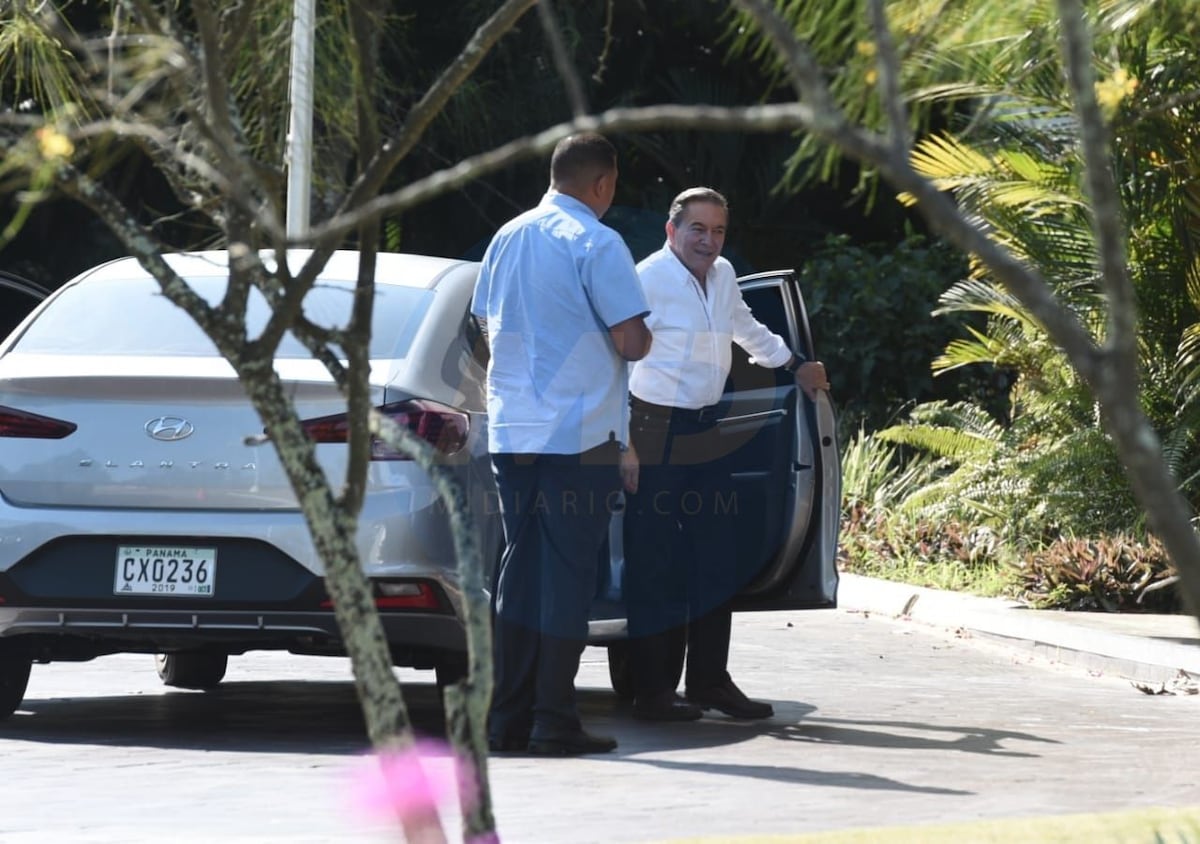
(553, 281)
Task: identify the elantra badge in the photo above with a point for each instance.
(169, 428)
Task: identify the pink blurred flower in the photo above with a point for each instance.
(407, 783)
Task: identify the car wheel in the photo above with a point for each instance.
(191, 669)
(450, 669)
(14, 678)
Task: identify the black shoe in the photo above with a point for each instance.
(665, 707)
(576, 743)
(728, 698)
(508, 744)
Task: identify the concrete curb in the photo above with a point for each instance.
(1146, 648)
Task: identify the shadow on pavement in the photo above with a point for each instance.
(907, 735)
(286, 716)
(793, 723)
(291, 716)
(801, 776)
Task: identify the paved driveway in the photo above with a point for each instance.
(878, 722)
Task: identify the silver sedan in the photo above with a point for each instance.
(142, 509)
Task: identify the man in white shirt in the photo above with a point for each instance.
(679, 540)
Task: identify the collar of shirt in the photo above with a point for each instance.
(566, 202)
(671, 260)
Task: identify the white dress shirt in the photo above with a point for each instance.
(693, 331)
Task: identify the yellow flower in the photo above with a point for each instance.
(1110, 92)
(54, 144)
(865, 48)
(871, 76)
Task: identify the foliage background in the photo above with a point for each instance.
(995, 473)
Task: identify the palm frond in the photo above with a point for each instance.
(955, 445)
(37, 65)
(983, 297)
(947, 161)
(985, 349)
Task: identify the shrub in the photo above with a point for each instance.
(1110, 573)
(870, 308)
(943, 555)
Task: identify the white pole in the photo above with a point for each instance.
(299, 140)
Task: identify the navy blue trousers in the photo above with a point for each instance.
(555, 509)
(680, 548)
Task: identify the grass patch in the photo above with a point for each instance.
(1144, 826)
(987, 580)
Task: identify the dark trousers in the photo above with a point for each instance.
(555, 509)
(679, 539)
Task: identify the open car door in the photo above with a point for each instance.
(784, 459)
(783, 456)
(787, 484)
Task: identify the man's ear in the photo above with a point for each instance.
(603, 187)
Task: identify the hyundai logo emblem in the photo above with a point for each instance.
(169, 428)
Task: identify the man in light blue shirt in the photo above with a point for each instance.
(564, 311)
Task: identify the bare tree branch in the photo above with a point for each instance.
(139, 241)
(1116, 383)
(888, 65)
(466, 701)
(803, 71)
(241, 186)
(751, 119)
(1101, 189)
(364, 28)
(558, 49)
(331, 525)
(430, 105)
(237, 18)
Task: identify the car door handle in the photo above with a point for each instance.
(750, 417)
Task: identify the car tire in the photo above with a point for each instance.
(450, 669)
(14, 679)
(191, 669)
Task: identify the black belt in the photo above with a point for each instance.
(687, 414)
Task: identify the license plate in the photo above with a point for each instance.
(165, 570)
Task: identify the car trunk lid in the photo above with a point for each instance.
(183, 434)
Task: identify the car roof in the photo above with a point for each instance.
(406, 270)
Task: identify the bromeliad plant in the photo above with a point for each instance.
(1111, 573)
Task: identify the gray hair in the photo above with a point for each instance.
(680, 203)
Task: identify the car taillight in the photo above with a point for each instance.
(18, 423)
(443, 427)
(401, 595)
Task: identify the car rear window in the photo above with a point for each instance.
(17, 298)
(132, 317)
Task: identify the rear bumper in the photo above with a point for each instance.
(72, 633)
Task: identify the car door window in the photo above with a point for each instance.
(767, 305)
